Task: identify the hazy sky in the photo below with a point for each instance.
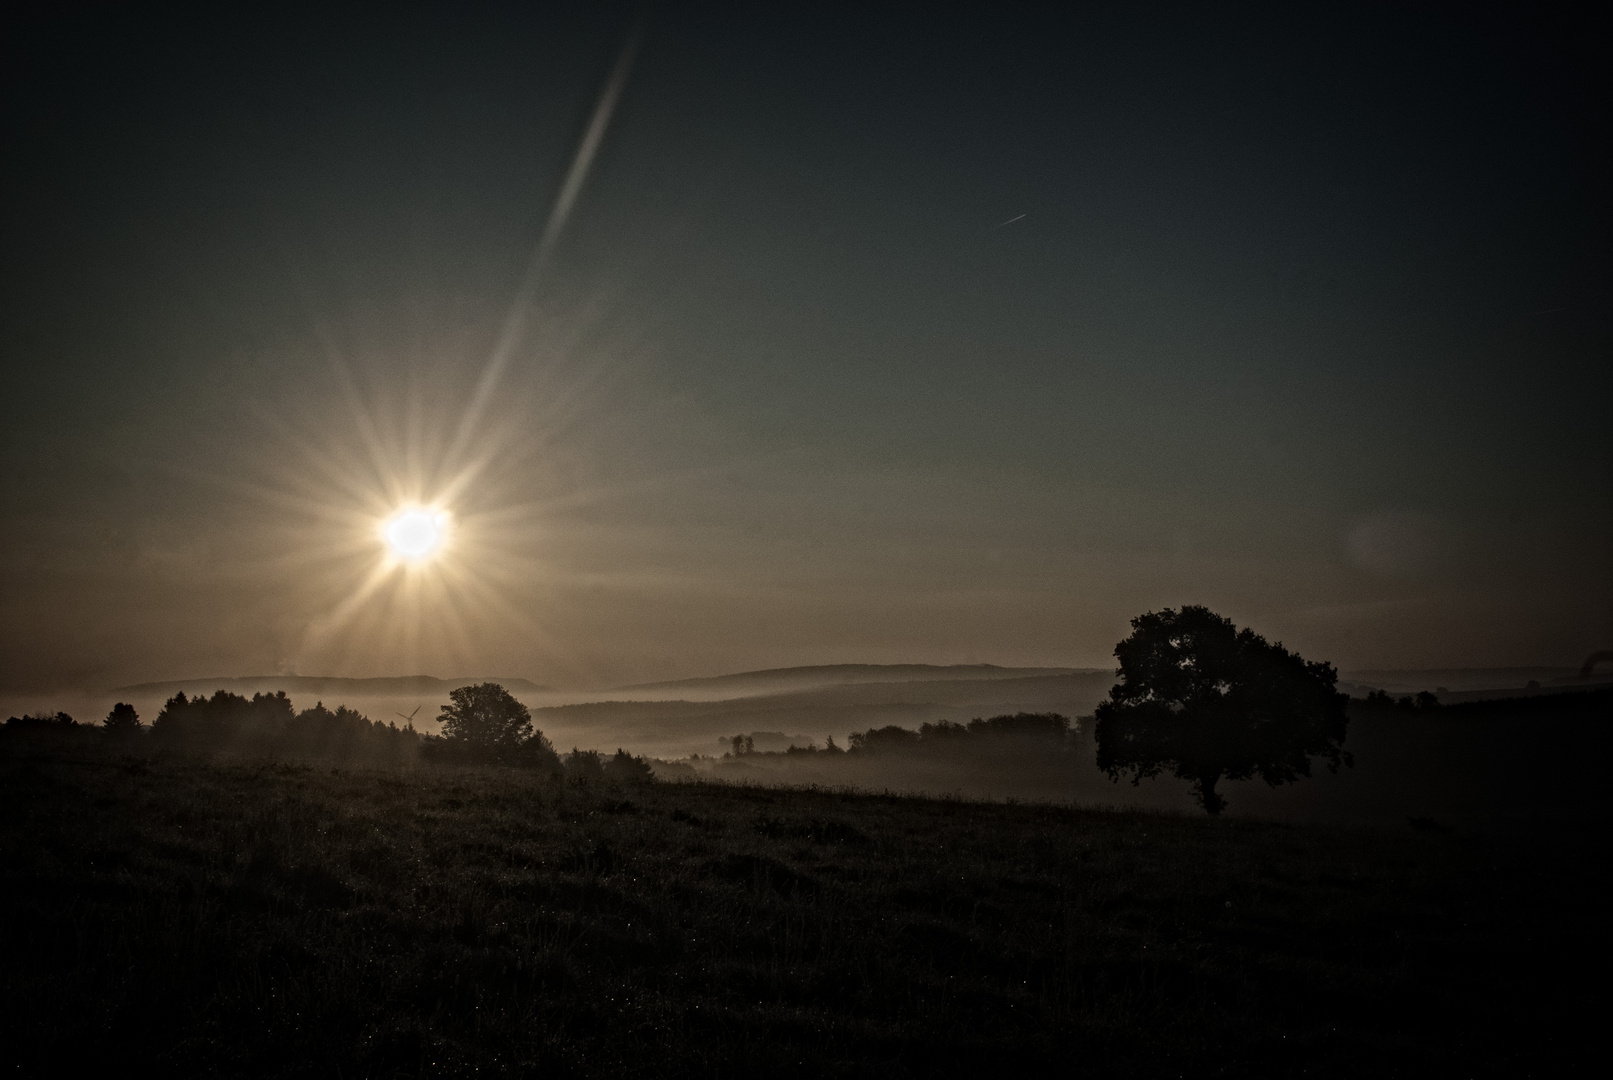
(869, 338)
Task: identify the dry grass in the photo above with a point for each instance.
(279, 919)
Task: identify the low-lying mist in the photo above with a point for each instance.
(1454, 766)
(1457, 764)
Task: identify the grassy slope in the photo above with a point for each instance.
(283, 919)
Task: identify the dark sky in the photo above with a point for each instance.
(871, 337)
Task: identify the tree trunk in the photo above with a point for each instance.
(1208, 799)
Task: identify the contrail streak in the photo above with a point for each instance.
(520, 305)
(1010, 221)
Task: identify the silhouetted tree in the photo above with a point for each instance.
(626, 767)
(537, 752)
(122, 718)
(341, 733)
(1206, 700)
(486, 717)
(223, 720)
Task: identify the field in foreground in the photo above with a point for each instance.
(275, 919)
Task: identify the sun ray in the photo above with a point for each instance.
(406, 511)
(521, 304)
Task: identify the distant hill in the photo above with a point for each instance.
(799, 679)
(398, 686)
(675, 728)
(1456, 680)
(1456, 685)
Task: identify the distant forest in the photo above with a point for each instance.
(267, 726)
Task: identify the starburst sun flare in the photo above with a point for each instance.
(416, 534)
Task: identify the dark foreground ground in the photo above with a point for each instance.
(278, 919)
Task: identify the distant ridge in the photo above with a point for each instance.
(785, 680)
(396, 686)
(1411, 680)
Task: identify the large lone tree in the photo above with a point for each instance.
(486, 717)
(1207, 701)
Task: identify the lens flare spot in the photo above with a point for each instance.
(416, 533)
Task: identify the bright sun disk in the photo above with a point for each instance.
(415, 533)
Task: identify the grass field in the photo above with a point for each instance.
(279, 919)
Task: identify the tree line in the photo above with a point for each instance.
(483, 724)
(941, 737)
(1197, 697)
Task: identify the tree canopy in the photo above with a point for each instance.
(488, 719)
(1206, 701)
(122, 718)
(267, 723)
(223, 718)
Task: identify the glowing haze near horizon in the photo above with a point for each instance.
(856, 339)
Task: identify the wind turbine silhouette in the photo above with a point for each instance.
(410, 717)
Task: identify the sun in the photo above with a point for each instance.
(416, 533)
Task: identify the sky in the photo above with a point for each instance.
(871, 334)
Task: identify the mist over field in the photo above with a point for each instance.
(1456, 767)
